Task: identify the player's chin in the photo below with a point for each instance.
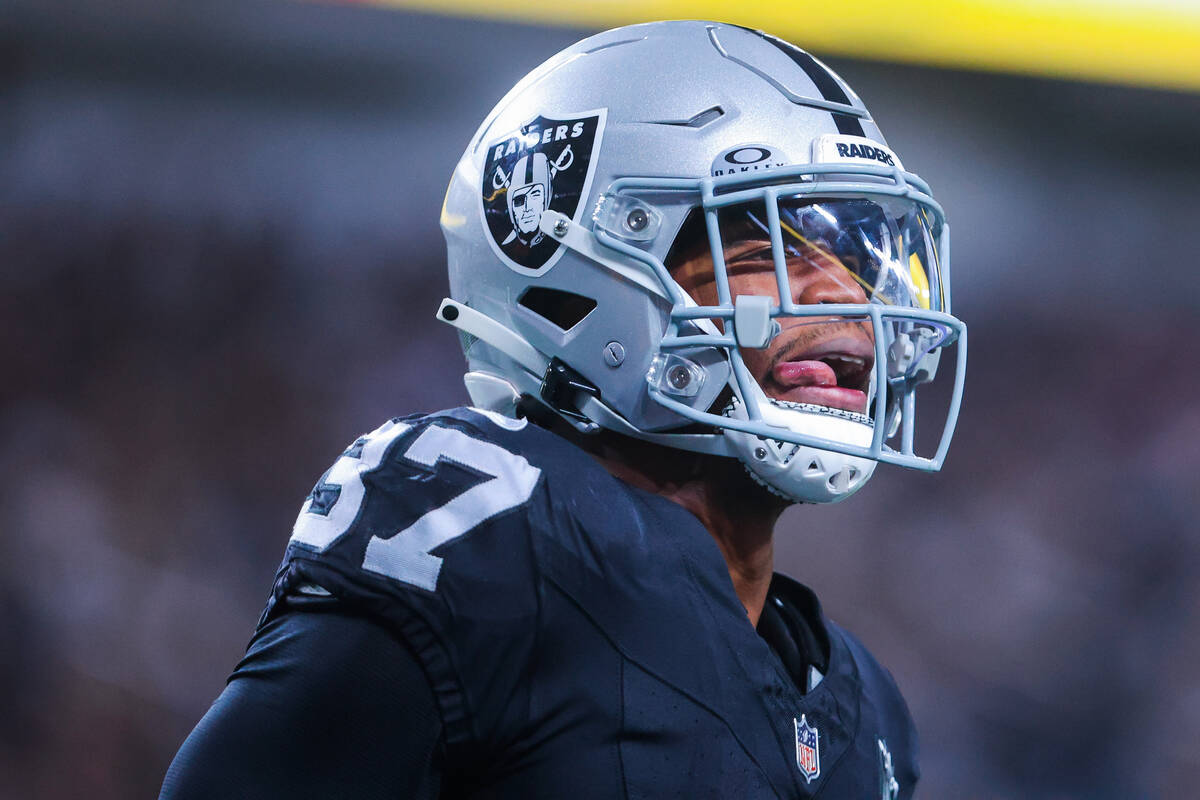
(839, 397)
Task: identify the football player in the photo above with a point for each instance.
(567, 589)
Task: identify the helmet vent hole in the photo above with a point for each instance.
(698, 120)
(563, 310)
(840, 480)
(814, 467)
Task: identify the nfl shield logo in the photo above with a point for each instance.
(808, 752)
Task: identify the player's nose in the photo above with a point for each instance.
(829, 286)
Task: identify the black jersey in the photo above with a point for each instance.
(581, 638)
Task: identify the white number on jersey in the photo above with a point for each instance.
(405, 555)
(319, 530)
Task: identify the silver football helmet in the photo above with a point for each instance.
(669, 146)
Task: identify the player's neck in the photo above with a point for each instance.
(743, 527)
(738, 513)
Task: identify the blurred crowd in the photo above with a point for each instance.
(171, 393)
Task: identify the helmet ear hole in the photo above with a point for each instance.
(564, 310)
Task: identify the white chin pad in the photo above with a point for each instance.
(802, 473)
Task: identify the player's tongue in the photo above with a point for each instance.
(816, 383)
(791, 374)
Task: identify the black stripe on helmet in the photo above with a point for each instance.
(824, 80)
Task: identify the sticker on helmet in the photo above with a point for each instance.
(856, 149)
(545, 164)
(747, 158)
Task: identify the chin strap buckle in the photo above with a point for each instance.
(560, 386)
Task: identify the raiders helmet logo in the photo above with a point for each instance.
(546, 164)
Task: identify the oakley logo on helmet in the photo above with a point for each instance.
(746, 158)
(546, 164)
(747, 155)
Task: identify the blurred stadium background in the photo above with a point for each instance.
(219, 260)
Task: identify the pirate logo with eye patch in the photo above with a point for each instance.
(546, 164)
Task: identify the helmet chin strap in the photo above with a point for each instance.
(802, 473)
(713, 444)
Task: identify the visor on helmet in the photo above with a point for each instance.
(832, 251)
(887, 251)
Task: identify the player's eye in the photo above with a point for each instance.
(753, 255)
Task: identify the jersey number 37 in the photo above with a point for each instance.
(405, 556)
